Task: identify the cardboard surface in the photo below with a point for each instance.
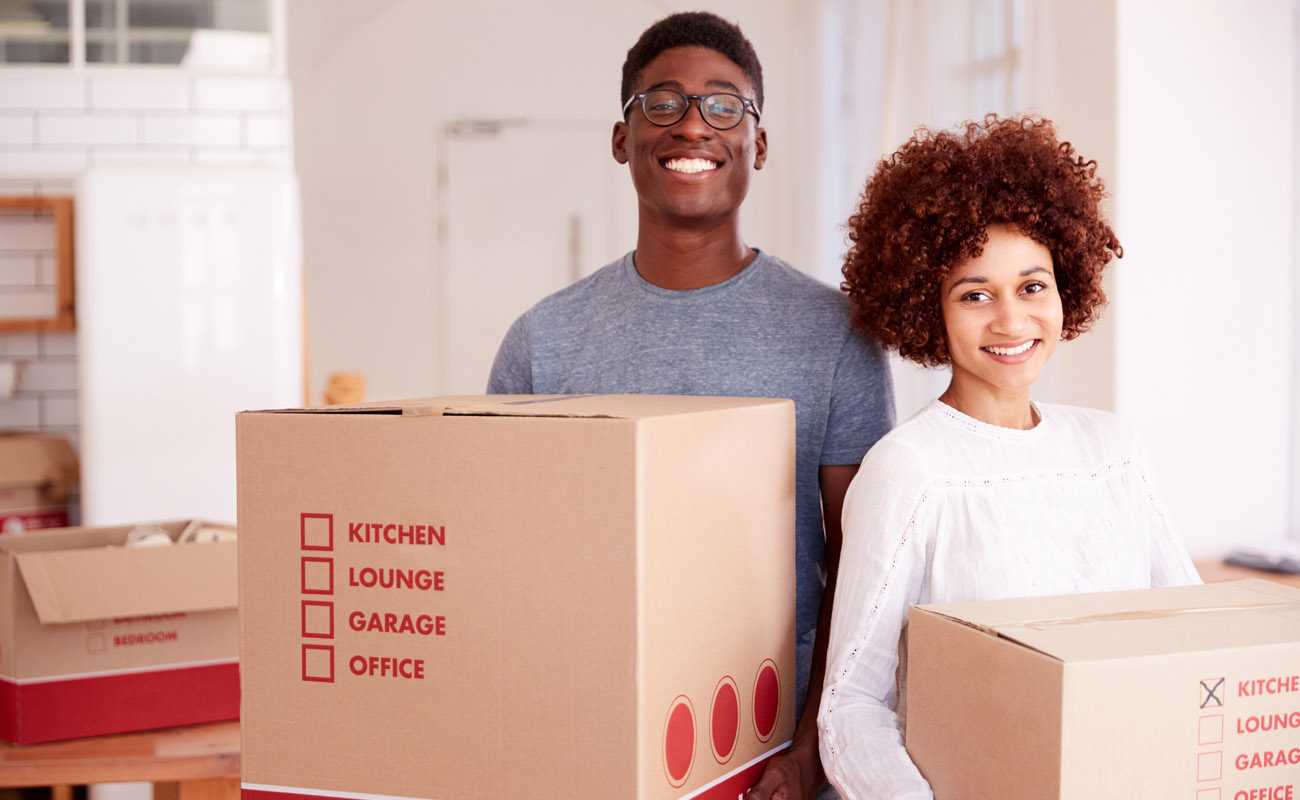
(99, 638)
(504, 597)
(1180, 692)
(37, 472)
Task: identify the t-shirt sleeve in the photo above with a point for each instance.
(512, 369)
(882, 570)
(861, 403)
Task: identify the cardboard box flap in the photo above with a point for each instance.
(1108, 625)
(100, 583)
(34, 460)
(592, 406)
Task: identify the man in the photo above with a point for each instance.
(694, 310)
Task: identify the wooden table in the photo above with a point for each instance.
(1217, 572)
(196, 762)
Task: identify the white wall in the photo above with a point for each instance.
(1205, 351)
(374, 85)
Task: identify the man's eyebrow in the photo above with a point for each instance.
(679, 86)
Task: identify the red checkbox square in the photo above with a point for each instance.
(1210, 730)
(318, 663)
(317, 619)
(317, 531)
(317, 575)
(1209, 766)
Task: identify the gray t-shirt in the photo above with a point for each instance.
(769, 331)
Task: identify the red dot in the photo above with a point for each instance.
(767, 700)
(679, 741)
(725, 720)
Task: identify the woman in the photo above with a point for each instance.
(980, 249)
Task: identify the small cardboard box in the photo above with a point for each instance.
(1186, 692)
(37, 472)
(506, 597)
(97, 638)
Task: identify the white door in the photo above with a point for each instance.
(527, 208)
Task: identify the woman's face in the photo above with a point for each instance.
(1002, 314)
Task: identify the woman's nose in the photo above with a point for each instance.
(1011, 318)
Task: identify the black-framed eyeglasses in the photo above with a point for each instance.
(721, 110)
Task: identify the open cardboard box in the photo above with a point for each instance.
(1184, 692)
(37, 472)
(516, 597)
(98, 638)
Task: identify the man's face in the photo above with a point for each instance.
(689, 172)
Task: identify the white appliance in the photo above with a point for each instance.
(189, 309)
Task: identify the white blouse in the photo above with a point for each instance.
(946, 508)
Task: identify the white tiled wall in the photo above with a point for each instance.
(55, 123)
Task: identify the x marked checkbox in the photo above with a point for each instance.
(1211, 692)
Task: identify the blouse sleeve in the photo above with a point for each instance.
(881, 572)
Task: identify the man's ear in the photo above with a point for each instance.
(760, 148)
(618, 143)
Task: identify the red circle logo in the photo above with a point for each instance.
(679, 741)
(767, 699)
(724, 724)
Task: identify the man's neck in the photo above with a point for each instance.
(692, 258)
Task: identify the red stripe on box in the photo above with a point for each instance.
(736, 783)
(727, 788)
(262, 794)
(30, 519)
(46, 711)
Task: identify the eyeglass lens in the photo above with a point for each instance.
(665, 106)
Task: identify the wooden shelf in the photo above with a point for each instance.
(64, 318)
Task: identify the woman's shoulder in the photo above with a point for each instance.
(916, 444)
(1106, 431)
(1081, 419)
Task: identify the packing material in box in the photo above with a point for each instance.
(37, 472)
(98, 638)
(1185, 692)
(506, 597)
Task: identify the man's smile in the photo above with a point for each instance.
(690, 165)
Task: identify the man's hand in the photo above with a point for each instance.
(793, 775)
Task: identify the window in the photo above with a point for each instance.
(997, 35)
(227, 34)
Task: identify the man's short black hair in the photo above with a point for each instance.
(692, 29)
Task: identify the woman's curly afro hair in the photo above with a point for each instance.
(928, 207)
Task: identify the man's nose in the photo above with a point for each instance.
(692, 125)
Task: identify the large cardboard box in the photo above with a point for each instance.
(37, 472)
(99, 638)
(506, 597)
(1186, 693)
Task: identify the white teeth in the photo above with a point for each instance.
(1011, 351)
(690, 165)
